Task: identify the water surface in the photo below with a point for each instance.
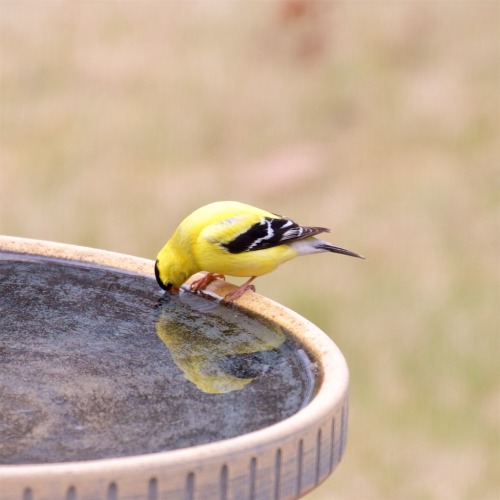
(98, 363)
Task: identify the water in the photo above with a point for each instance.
(97, 363)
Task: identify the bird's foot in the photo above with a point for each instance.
(236, 294)
(202, 283)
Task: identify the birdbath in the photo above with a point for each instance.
(111, 389)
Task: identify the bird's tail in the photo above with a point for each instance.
(328, 247)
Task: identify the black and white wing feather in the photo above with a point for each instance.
(270, 232)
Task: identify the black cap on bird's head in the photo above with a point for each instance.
(167, 286)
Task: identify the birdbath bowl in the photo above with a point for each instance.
(111, 389)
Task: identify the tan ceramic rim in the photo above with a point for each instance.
(285, 460)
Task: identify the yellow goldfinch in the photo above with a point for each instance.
(228, 237)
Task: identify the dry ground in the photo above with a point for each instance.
(379, 119)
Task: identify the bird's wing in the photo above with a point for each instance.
(268, 232)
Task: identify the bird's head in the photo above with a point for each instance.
(172, 268)
(166, 285)
(169, 276)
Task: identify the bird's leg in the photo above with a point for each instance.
(236, 294)
(202, 283)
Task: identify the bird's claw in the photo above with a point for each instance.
(200, 284)
(236, 294)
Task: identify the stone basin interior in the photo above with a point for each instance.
(98, 363)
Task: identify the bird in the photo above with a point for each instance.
(235, 239)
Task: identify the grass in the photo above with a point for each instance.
(377, 119)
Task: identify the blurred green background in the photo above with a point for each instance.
(377, 119)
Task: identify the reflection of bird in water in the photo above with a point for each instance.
(221, 352)
(229, 237)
